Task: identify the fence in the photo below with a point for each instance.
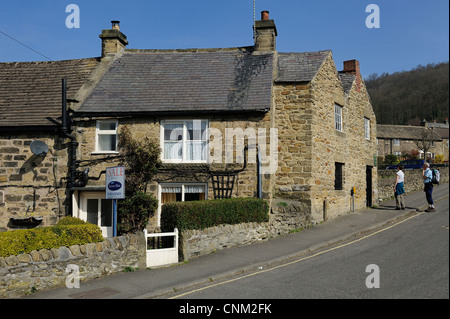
(161, 248)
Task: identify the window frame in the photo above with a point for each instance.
(99, 132)
(184, 141)
(338, 176)
(177, 184)
(338, 117)
(396, 142)
(367, 128)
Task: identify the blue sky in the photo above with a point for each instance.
(411, 32)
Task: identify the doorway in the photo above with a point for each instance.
(97, 210)
(369, 202)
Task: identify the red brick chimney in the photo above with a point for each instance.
(352, 67)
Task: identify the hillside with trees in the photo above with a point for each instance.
(408, 97)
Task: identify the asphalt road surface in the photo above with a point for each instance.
(409, 259)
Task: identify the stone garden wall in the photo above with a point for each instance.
(48, 268)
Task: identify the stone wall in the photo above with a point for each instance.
(413, 181)
(195, 243)
(46, 268)
(287, 215)
(30, 184)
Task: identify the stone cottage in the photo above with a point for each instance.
(246, 121)
(33, 183)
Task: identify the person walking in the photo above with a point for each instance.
(399, 188)
(427, 175)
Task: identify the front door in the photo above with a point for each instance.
(97, 210)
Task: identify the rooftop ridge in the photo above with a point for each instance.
(192, 50)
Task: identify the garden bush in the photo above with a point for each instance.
(209, 213)
(69, 220)
(23, 241)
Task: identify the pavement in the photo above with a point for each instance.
(157, 283)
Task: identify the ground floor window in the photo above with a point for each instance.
(181, 192)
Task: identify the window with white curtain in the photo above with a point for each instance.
(182, 192)
(185, 141)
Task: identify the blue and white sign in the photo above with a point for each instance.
(115, 182)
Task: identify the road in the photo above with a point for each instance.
(408, 260)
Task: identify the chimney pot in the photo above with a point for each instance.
(115, 25)
(265, 15)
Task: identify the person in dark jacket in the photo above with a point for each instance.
(427, 175)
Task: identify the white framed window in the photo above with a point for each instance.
(366, 128)
(184, 141)
(180, 192)
(396, 142)
(338, 125)
(106, 136)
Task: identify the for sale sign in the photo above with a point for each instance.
(115, 182)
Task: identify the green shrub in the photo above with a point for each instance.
(209, 213)
(134, 212)
(69, 220)
(23, 241)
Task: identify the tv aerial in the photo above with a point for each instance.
(39, 148)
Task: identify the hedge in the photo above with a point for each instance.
(209, 213)
(24, 241)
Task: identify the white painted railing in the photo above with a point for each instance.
(161, 250)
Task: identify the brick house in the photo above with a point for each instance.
(289, 126)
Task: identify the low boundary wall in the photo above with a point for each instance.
(49, 268)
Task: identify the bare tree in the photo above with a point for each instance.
(425, 141)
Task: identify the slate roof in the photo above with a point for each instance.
(184, 81)
(299, 67)
(30, 92)
(347, 81)
(404, 132)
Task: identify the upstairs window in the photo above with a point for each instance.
(185, 141)
(106, 136)
(338, 117)
(367, 128)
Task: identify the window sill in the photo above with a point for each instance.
(105, 153)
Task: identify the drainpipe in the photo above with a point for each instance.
(259, 177)
(72, 160)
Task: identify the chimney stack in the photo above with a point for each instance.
(265, 33)
(352, 67)
(113, 41)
